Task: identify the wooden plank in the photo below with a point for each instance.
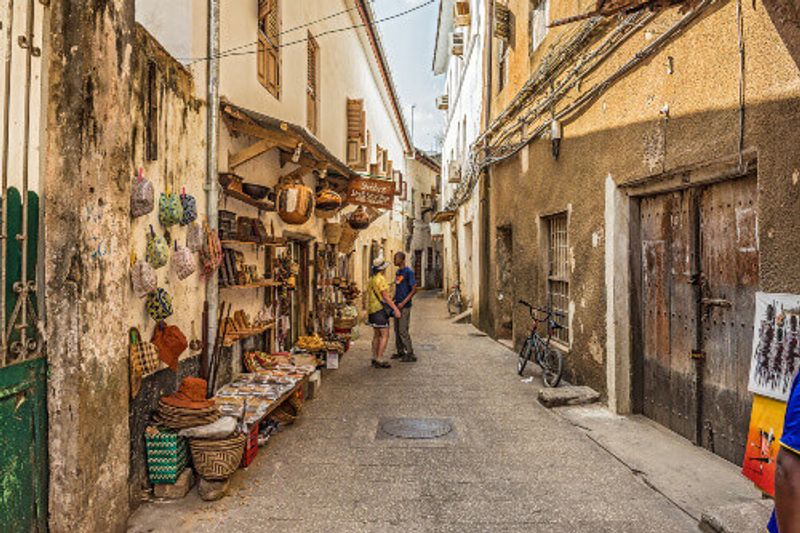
(252, 151)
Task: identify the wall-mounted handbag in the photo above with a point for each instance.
(194, 237)
(143, 278)
(157, 252)
(142, 196)
(189, 205)
(171, 343)
(159, 305)
(143, 357)
(170, 209)
(211, 254)
(183, 262)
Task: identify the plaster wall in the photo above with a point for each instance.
(679, 109)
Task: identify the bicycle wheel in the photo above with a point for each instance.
(552, 367)
(524, 357)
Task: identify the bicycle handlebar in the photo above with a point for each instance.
(549, 312)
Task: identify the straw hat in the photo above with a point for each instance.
(191, 395)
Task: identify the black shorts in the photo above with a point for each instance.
(379, 319)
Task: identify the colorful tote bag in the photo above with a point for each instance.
(157, 252)
(142, 196)
(195, 237)
(189, 205)
(159, 305)
(211, 255)
(170, 209)
(143, 358)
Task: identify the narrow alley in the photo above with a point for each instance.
(508, 465)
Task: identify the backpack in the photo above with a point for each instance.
(183, 262)
(157, 252)
(170, 209)
(194, 237)
(211, 254)
(143, 278)
(189, 205)
(159, 305)
(142, 196)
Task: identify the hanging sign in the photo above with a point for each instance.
(371, 192)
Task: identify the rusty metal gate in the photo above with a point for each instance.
(699, 275)
(23, 424)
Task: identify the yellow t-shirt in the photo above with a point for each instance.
(377, 284)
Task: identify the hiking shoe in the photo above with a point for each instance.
(380, 364)
(397, 356)
(410, 358)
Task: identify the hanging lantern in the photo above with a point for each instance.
(359, 219)
(295, 202)
(328, 200)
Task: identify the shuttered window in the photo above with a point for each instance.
(312, 88)
(558, 271)
(269, 37)
(537, 22)
(357, 135)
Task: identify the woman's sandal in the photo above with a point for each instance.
(380, 364)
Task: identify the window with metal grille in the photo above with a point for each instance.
(502, 66)
(269, 46)
(313, 85)
(537, 22)
(558, 271)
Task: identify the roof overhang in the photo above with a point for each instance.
(444, 27)
(295, 143)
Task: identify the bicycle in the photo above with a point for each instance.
(455, 302)
(550, 360)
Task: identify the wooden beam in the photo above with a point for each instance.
(254, 150)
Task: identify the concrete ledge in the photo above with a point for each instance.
(562, 396)
(741, 517)
(463, 318)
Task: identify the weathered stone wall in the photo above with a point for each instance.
(179, 163)
(86, 193)
(626, 134)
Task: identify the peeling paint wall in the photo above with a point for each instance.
(86, 192)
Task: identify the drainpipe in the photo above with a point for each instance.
(212, 171)
(483, 311)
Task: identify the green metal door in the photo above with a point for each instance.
(23, 367)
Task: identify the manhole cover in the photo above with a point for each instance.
(416, 428)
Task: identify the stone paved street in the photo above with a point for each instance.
(510, 466)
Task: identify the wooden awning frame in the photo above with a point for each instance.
(294, 142)
(443, 216)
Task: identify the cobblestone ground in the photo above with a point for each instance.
(510, 465)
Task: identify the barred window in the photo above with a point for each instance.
(558, 271)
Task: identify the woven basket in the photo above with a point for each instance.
(333, 232)
(348, 239)
(217, 460)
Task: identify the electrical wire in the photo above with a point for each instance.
(236, 52)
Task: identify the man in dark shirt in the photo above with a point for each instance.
(786, 518)
(405, 289)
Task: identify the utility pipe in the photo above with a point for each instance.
(212, 163)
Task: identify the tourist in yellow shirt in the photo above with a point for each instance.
(379, 306)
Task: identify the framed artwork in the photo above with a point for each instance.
(761, 452)
(776, 345)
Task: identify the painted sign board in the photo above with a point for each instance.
(371, 192)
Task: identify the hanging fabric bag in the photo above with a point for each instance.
(157, 252)
(211, 254)
(142, 196)
(143, 358)
(170, 210)
(143, 278)
(189, 206)
(183, 262)
(171, 343)
(195, 237)
(159, 305)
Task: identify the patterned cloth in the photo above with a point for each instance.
(790, 439)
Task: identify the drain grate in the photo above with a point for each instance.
(415, 428)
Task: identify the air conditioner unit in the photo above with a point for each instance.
(454, 172)
(462, 14)
(502, 21)
(443, 102)
(457, 43)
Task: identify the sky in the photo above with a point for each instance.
(408, 42)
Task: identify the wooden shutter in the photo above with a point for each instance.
(269, 35)
(312, 87)
(356, 134)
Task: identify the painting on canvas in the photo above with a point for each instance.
(776, 345)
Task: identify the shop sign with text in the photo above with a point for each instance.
(371, 192)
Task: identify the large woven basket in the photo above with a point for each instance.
(347, 239)
(217, 460)
(333, 232)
